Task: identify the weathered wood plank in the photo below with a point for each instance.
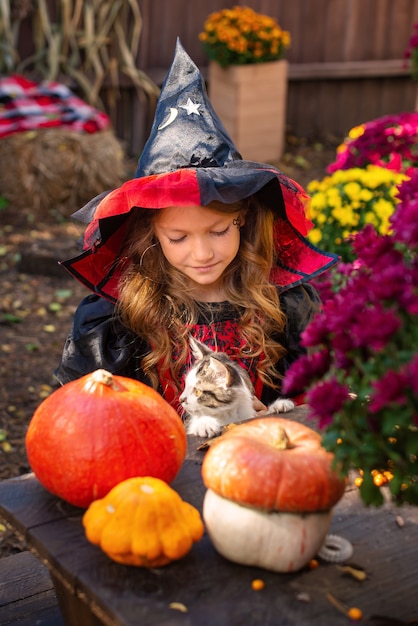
(27, 595)
(22, 575)
(341, 70)
(346, 70)
(39, 610)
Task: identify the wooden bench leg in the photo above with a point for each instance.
(74, 610)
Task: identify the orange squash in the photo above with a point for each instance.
(99, 430)
(143, 522)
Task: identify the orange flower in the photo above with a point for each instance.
(240, 36)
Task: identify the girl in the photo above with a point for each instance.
(201, 243)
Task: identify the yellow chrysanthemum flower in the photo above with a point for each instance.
(320, 218)
(352, 189)
(365, 195)
(345, 216)
(334, 200)
(342, 148)
(357, 131)
(343, 203)
(315, 236)
(319, 202)
(371, 218)
(313, 186)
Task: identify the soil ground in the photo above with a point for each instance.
(38, 300)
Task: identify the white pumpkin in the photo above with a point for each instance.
(280, 542)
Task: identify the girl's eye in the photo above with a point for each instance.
(215, 233)
(221, 232)
(179, 240)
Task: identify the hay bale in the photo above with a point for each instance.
(50, 173)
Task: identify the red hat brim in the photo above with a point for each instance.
(99, 266)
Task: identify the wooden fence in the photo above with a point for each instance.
(346, 60)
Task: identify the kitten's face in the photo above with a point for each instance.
(217, 392)
(214, 383)
(209, 386)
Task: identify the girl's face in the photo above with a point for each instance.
(200, 243)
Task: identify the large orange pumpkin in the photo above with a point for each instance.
(99, 430)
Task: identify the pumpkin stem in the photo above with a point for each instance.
(281, 440)
(102, 376)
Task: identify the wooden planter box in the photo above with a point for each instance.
(251, 102)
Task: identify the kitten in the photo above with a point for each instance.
(217, 392)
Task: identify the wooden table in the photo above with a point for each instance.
(92, 590)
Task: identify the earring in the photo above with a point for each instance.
(146, 250)
(237, 222)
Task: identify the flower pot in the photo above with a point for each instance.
(251, 102)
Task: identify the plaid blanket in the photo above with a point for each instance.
(25, 105)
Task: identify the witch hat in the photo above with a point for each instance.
(186, 131)
(190, 160)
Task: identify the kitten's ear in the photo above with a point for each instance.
(199, 350)
(221, 373)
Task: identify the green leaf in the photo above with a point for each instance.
(63, 294)
(389, 422)
(9, 318)
(395, 483)
(411, 444)
(31, 347)
(410, 496)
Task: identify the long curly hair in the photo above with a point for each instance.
(155, 304)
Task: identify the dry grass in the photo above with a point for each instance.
(91, 43)
(53, 172)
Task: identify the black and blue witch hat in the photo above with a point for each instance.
(190, 160)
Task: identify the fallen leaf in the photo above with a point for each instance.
(63, 294)
(357, 573)
(55, 307)
(303, 596)
(31, 347)
(9, 318)
(178, 606)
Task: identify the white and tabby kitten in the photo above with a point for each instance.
(217, 392)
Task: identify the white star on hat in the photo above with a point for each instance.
(191, 107)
